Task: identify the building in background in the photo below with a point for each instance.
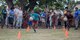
(76, 0)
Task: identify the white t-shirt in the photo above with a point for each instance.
(59, 12)
(65, 18)
(8, 10)
(16, 10)
(20, 13)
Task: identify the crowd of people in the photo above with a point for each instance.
(15, 17)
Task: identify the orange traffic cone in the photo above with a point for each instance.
(66, 33)
(28, 29)
(19, 35)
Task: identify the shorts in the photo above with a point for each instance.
(10, 19)
(35, 22)
(29, 23)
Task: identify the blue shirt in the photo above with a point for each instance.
(11, 13)
(43, 14)
(77, 14)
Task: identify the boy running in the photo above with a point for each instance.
(35, 20)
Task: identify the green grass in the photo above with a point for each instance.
(42, 34)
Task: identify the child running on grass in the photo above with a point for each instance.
(35, 20)
(68, 19)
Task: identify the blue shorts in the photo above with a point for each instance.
(29, 23)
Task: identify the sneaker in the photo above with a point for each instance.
(34, 30)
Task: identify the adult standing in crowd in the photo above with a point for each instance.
(16, 11)
(54, 19)
(4, 15)
(11, 17)
(50, 17)
(25, 19)
(48, 20)
(77, 17)
(8, 10)
(19, 18)
(43, 18)
(59, 14)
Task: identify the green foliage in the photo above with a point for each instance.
(58, 5)
(36, 8)
(77, 2)
(52, 3)
(17, 2)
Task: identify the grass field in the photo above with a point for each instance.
(42, 34)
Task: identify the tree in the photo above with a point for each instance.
(31, 5)
(22, 3)
(9, 3)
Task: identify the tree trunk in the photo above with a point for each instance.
(9, 3)
(31, 4)
(23, 3)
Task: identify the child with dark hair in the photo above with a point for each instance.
(77, 18)
(4, 14)
(1, 20)
(11, 17)
(42, 19)
(19, 18)
(48, 20)
(69, 17)
(35, 18)
(54, 19)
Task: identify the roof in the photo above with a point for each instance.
(78, 5)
